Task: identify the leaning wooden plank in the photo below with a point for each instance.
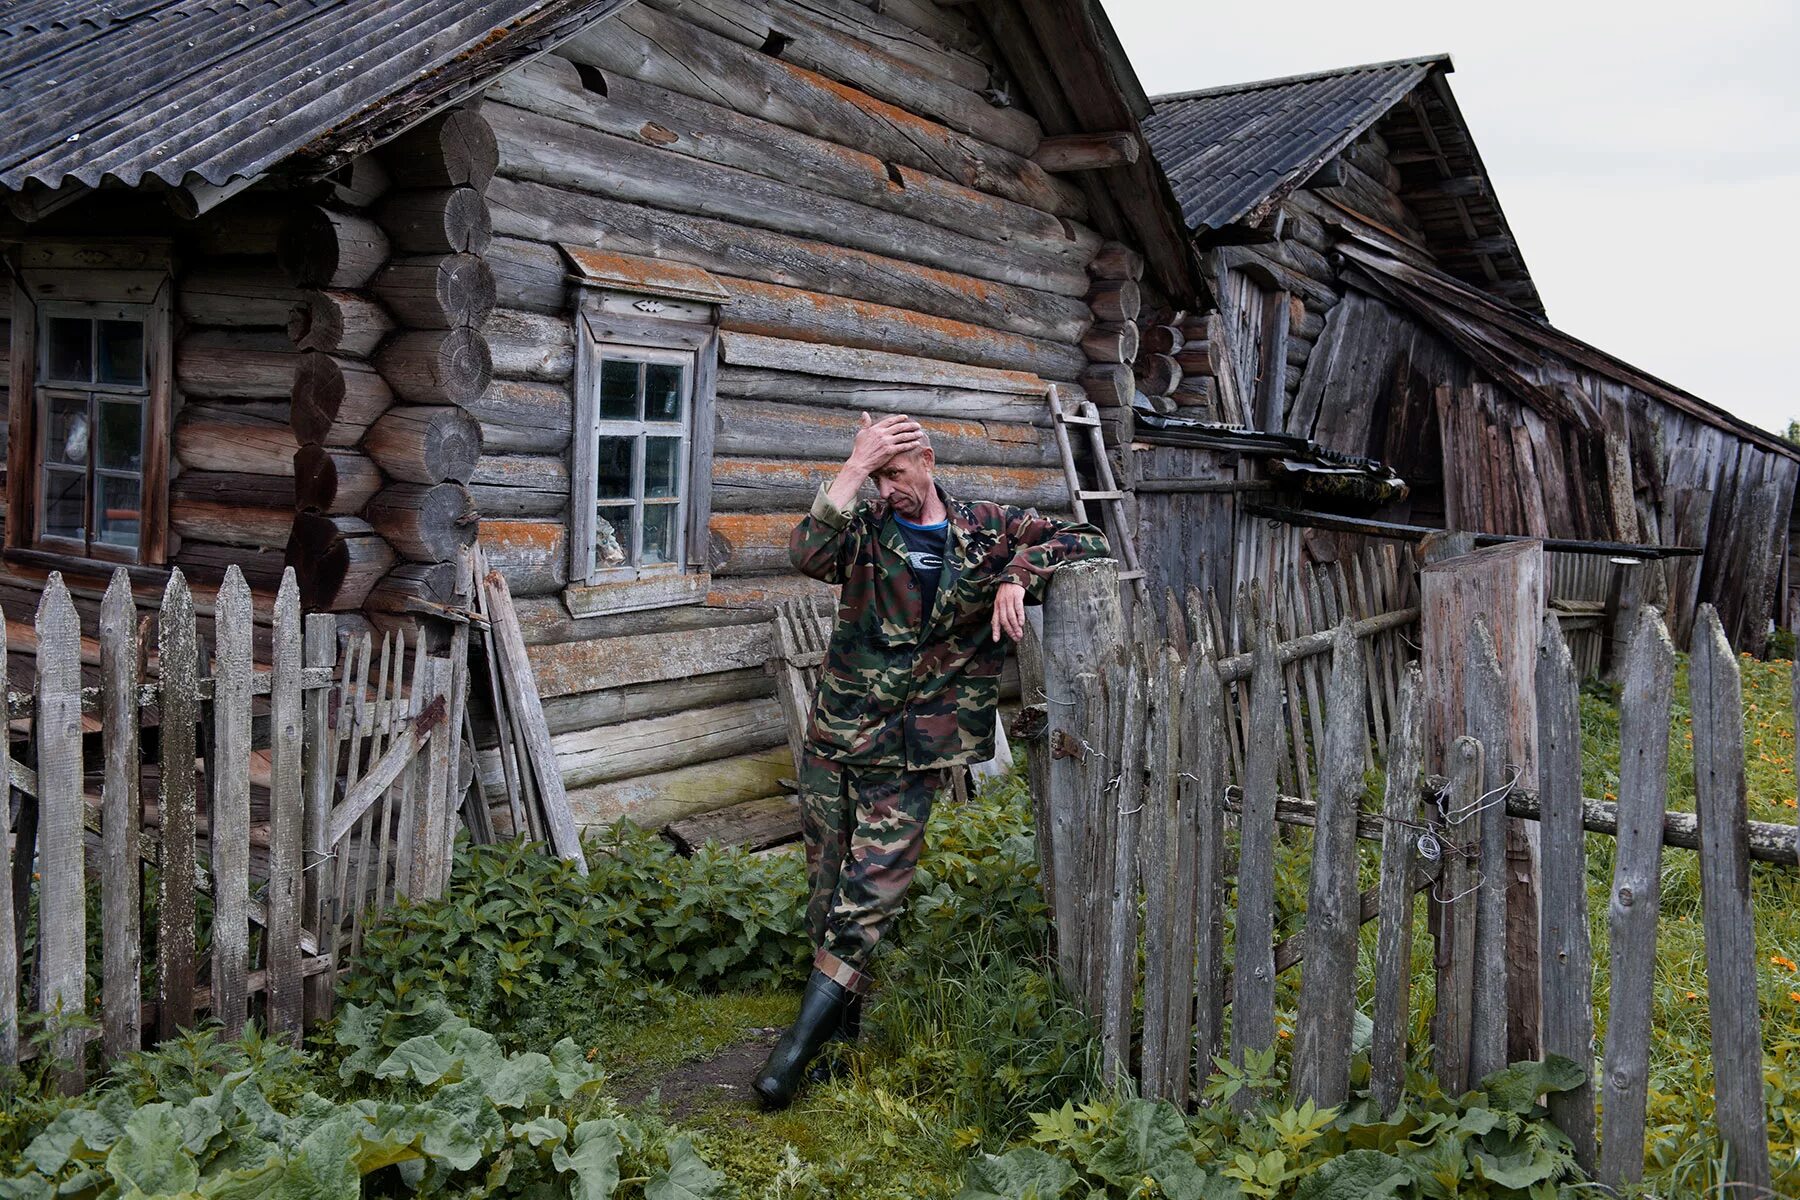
(1644, 704)
(752, 825)
(319, 785)
(522, 695)
(1203, 771)
(1393, 946)
(62, 888)
(1253, 991)
(1452, 1024)
(1328, 985)
(1486, 714)
(1566, 954)
(407, 790)
(230, 816)
(371, 902)
(432, 820)
(178, 655)
(1124, 809)
(349, 725)
(1716, 700)
(9, 947)
(287, 818)
(1156, 850)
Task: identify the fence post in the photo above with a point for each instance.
(1253, 974)
(1636, 895)
(281, 938)
(1715, 696)
(232, 666)
(1484, 701)
(1204, 766)
(1166, 862)
(62, 891)
(1122, 804)
(317, 911)
(1567, 957)
(1506, 584)
(121, 909)
(1393, 947)
(178, 654)
(1083, 625)
(1456, 933)
(1328, 984)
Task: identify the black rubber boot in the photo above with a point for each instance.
(821, 1012)
(831, 1062)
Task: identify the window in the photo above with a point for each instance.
(87, 446)
(641, 438)
(641, 469)
(91, 396)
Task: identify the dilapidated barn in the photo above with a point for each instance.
(1381, 354)
(602, 285)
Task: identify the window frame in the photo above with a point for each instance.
(647, 328)
(84, 275)
(47, 390)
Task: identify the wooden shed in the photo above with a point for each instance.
(1376, 352)
(604, 285)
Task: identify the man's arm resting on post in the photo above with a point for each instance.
(1042, 546)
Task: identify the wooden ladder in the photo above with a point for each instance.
(1117, 528)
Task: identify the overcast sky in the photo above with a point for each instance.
(1647, 155)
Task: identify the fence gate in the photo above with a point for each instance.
(210, 776)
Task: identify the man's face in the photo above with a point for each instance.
(904, 481)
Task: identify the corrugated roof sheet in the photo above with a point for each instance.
(185, 91)
(1227, 149)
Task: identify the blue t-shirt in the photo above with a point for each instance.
(925, 553)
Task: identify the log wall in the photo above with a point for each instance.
(887, 245)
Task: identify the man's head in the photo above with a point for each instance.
(904, 480)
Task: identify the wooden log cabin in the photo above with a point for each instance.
(1379, 351)
(603, 285)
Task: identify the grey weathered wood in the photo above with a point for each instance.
(287, 817)
(1456, 937)
(1567, 958)
(319, 652)
(370, 740)
(432, 820)
(1165, 1050)
(1644, 704)
(1485, 716)
(522, 696)
(178, 657)
(1393, 945)
(1203, 782)
(407, 783)
(121, 996)
(1253, 987)
(348, 857)
(62, 886)
(1082, 618)
(1124, 808)
(1328, 985)
(1037, 762)
(230, 816)
(1092, 846)
(9, 947)
(1716, 700)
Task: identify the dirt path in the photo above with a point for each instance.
(688, 1087)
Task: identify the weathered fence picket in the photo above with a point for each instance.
(1154, 742)
(1717, 703)
(199, 835)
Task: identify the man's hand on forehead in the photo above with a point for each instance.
(877, 442)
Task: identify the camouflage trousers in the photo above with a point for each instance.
(864, 828)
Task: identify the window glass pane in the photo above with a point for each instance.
(662, 392)
(116, 510)
(64, 493)
(121, 436)
(612, 537)
(69, 350)
(659, 532)
(662, 466)
(618, 390)
(612, 475)
(121, 354)
(66, 432)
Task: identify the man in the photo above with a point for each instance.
(908, 691)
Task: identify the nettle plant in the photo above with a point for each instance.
(1496, 1141)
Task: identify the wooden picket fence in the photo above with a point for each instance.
(168, 772)
(1146, 789)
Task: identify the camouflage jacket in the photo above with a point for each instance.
(901, 687)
